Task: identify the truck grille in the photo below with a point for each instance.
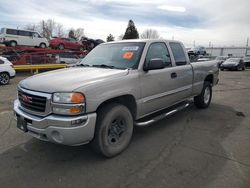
(32, 102)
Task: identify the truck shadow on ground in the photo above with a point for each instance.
(179, 150)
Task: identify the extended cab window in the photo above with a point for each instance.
(179, 54)
(1, 61)
(159, 50)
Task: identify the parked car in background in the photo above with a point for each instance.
(6, 71)
(247, 61)
(203, 59)
(66, 43)
(199, 50)
(221, 59)
(68, 58)
(233, 64)
(17, 37)
(90, 43)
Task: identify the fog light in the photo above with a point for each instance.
(78, 121)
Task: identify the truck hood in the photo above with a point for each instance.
(69, 79)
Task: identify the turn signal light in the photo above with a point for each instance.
(77, 98)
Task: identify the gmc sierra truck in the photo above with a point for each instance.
(117, 86)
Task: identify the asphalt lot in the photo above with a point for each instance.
(194, 148)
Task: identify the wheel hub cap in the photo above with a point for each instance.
(206, 95)
(116, 130)
(4, 79)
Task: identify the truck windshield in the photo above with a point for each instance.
(115, 55)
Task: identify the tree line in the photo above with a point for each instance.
(49, 28)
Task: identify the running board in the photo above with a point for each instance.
(165, 113)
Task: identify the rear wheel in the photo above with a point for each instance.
(13, 43)
(244, 68)
(222, 69)
(4, 78)
(114, 129)
(203, 100)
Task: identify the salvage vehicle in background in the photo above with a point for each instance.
(67, 58)
(199, 50)
(66, 43)
(221, 59)
(18, 37)
(116, 86)
(247, 61)
(233, 64)
(6, 71)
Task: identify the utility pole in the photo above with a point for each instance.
(194, 43)
(247, 45)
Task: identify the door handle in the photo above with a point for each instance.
(173, 75)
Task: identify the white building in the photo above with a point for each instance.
(224, 51)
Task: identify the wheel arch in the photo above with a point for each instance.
(209, 78)
(126, 100)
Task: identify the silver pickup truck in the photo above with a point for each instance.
(116, 86)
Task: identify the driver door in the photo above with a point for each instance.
(157, 85)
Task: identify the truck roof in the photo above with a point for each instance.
(144, 40)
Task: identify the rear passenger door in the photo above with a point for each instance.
(183, 71)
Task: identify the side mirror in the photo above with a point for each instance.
(154, 64)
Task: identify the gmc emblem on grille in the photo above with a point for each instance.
(26, 98)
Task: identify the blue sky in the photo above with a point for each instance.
(220, 22)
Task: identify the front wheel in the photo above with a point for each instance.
(114, 129)
(4, 78)
(42, 45)
(61, 47)
(203, 100)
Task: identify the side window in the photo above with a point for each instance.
(1, 61)
(159, 50)
(24, 33)
(11, 31)
(35, 35)
(178, 52)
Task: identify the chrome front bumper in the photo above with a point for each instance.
(65, 130)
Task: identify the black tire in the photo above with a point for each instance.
(4, 78)
(114, 129)
(203, 100)
(61, 47)
(42, 45)
(244, 68)
(13, 43)
(222, 69)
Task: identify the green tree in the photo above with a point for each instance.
(131, 31)
(110, 38)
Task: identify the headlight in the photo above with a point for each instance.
(68, 103)
(68, 98)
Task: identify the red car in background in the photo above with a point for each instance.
(66, 43)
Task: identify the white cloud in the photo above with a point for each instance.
(172, 8)
(221, 22)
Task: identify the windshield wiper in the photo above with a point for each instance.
(83, 65)
(104, 66)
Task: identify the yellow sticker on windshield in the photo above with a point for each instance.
(128, 55)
